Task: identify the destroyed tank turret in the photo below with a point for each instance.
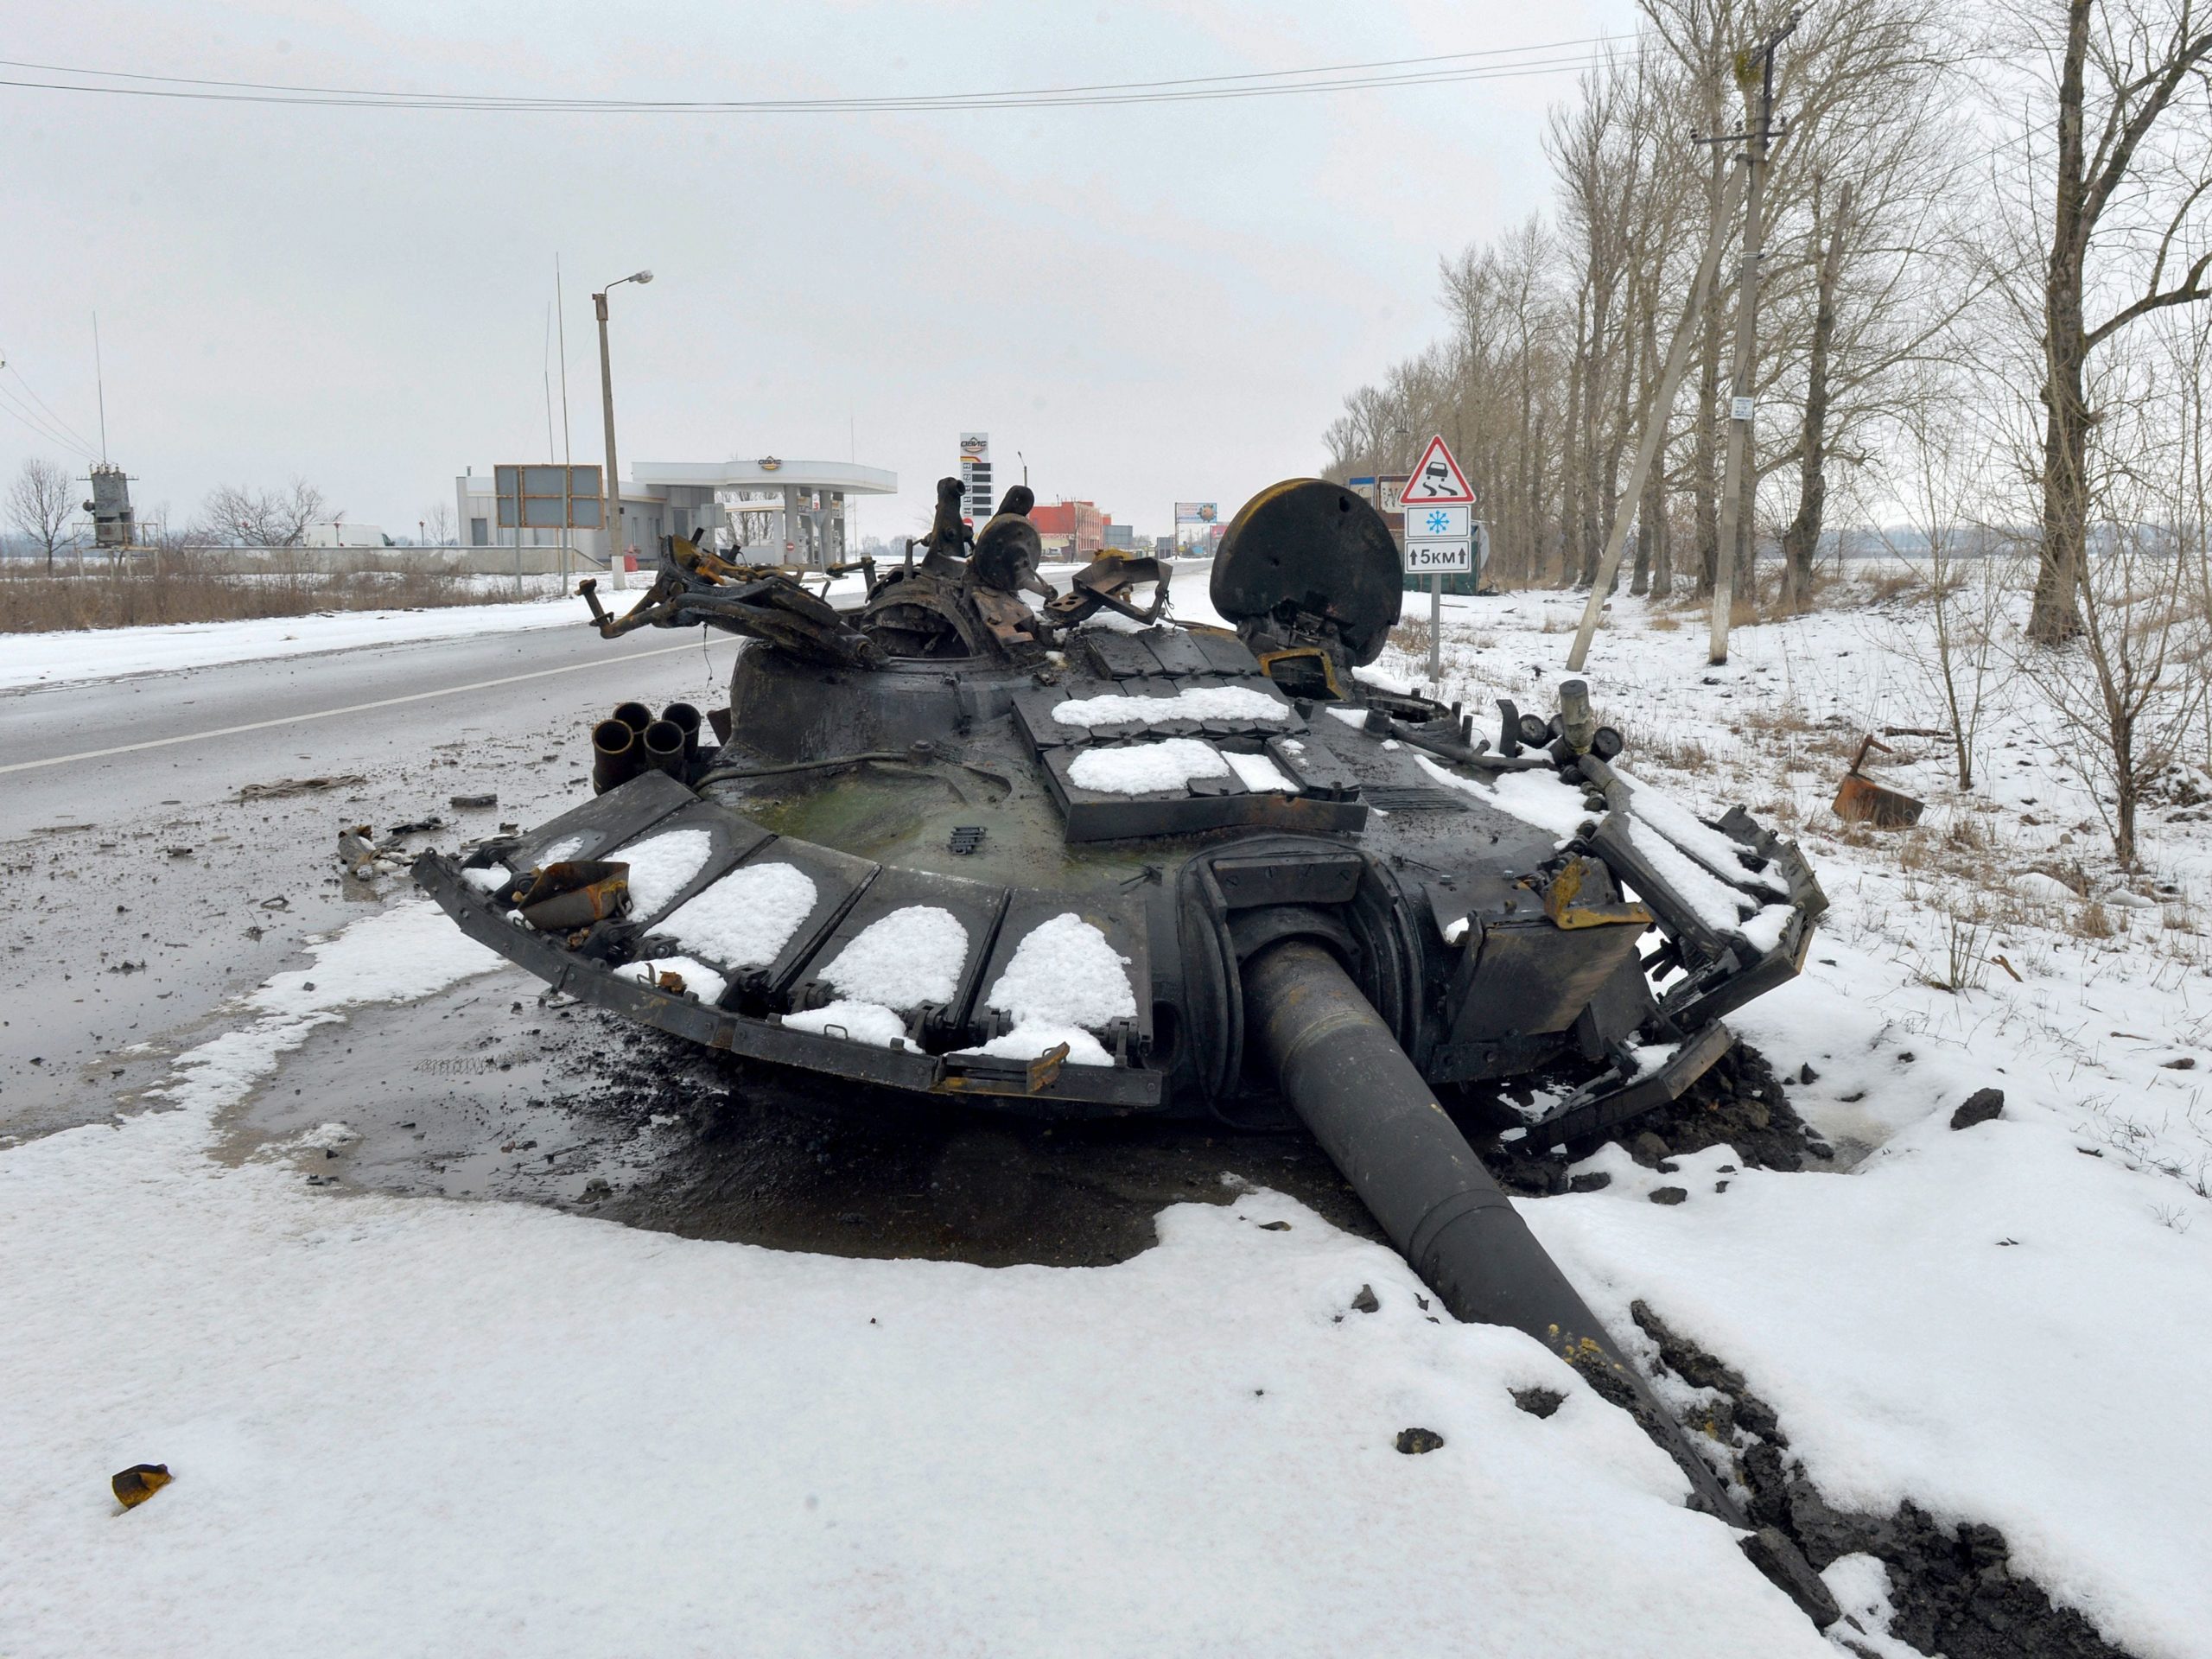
(1074, 859)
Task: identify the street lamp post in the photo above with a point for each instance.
(610, 512)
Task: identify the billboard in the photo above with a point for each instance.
(975, 474)
(1194, 520)
(547, 498)
(1386, 493)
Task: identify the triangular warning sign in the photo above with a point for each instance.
(1437, 480)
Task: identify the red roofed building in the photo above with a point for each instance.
(1072, 530)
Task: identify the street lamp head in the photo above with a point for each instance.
(642, 277)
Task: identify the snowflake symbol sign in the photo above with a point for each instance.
(1438, 523)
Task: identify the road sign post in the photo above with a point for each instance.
(1437, 559)
(1439, 504)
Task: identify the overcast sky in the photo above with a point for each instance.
(1151, 302)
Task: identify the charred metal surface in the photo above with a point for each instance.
(1308, 564)
(1076, 1092)
(1111, 584)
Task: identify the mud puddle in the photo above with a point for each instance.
(486, 1092)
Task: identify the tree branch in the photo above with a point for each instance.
(2192, 289)
(2117, 161)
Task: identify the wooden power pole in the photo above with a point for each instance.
(1759, 139)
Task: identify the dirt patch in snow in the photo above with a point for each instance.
(1741, 1104)
(774, 1157)
(492, 1089)
(1952, 1589)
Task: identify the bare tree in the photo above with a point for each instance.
(2129, 188)
(1864, 85)
(1602, 149)
(1654, 572)
(437, 525)
(250, 518)
(2127, 687)
(40, 503)
(1941, 464)
(1801, 540)
(1543, 383)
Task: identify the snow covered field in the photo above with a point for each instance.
(66, 657)
(2002, 1322)
(417, 1426)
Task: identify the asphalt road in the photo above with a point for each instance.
(147, 884)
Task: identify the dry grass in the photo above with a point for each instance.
(1671, 753)
(1412, 637)
(1967, 932)
(1685, 607)
(1875, 586)
(195, 586)
(1967, 835)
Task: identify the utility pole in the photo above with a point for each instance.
(610, 514)
(1758, 138)
(1654, 419)
(568, 473)
(99, 379)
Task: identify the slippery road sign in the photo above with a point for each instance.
(1437, 480)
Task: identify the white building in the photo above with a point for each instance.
(777, 511)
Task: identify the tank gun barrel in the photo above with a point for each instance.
(1340, 1069)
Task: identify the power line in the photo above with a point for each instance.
(473, 100)
(82, 442)
(49, 426)
(1445, 69)
(30, 423)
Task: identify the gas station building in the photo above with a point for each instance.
(778, 512)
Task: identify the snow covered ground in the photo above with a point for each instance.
(2000, 1323)
(420, 1426)
(415, 1427)
(68, 656)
